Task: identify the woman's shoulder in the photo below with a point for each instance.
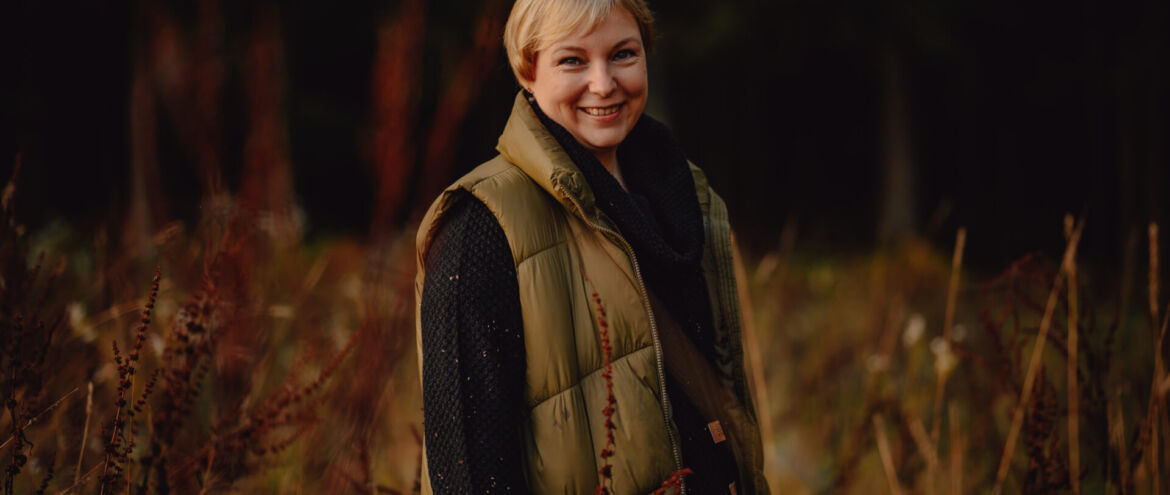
(513, 199)
(468, 227)
(497, 172)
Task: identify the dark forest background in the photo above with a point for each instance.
(859, 121)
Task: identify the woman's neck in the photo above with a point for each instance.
(609, 160)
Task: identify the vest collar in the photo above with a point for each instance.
(527, 144)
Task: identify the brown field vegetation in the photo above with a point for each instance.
(231, 357)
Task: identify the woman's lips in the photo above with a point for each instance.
(603, 114)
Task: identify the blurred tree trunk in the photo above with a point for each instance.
(147, 203)
(1139, 85)
(404, 154)
(266, 186)
(395, 96)
(457, 98)
(147, 209)
(1154, 38)
(898, 193)
(190, 77)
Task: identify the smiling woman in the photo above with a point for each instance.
(578, 318)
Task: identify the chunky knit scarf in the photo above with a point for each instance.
(659, 217)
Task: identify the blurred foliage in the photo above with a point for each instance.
(847, 339)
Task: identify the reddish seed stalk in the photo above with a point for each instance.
(606, 470)
(118, 450)
(675, 480)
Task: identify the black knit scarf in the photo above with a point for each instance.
(659, 217)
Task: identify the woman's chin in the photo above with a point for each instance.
(603, 141)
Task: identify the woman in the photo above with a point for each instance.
(591, 206)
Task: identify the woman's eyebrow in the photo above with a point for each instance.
(569, 48)
(575, 48)
(624, 41)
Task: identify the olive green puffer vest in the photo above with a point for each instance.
(565, 248)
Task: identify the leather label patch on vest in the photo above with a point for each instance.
(716, 430)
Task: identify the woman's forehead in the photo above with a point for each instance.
(617, 24)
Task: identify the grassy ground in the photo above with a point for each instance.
(269, 365)
(854, 350)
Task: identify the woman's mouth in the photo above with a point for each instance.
(603, 113)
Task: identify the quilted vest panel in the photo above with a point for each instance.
(560, 261)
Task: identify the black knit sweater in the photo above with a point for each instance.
(473, 350)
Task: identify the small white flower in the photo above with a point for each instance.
(157, 343)
(79, 321)
(76, 314)
(938, 345)
(945, 360)
(958, 332)
(915, 327)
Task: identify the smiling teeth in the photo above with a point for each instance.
(602, 110)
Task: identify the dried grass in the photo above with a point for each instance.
(928, 450)
(948, 323)
(887, 458)
(1034, 364)
(84, 433)
(956, 451)
(1074, 437)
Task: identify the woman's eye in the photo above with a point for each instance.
(624, 54)
(569, 61)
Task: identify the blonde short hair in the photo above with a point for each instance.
(533, 25)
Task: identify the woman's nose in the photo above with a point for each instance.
(601, 80)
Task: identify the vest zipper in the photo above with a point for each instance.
(658, 358)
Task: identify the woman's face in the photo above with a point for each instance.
(594, 83)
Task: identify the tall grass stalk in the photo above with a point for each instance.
(31, 421)
(755, 361)
(1009, 448)
(928, 449)
(956, 451)
(84, 433)
(1153, 278)
(1074, 437)
(1149, 433)
(1116, 418)
(948, 322)
(879, 428)
(1150, 428)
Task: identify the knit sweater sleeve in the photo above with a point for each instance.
(473, 357)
